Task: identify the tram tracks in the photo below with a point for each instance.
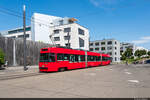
(15, 76)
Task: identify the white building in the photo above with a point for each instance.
(60, 30)
(124, 46)
(17, 33)
(141, 48)
(107, 46)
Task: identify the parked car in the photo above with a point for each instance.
(147, 61)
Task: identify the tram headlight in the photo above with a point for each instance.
(43, 66)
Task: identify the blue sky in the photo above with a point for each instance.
(124, 20)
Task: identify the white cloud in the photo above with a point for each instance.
(104, 3)
(142, 40)
(146, 38)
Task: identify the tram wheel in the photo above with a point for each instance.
(61, 69)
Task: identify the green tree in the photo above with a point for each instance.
(123, 57)
(148, 53)
(1, 57)
(140, 53)
(128, 53)
(143, 52)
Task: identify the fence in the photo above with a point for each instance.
(14, 48)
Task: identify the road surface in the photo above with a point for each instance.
(113, 81)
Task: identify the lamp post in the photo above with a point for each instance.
(24, 38)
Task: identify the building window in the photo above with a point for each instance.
(110, 53)
(115, 42)
(109, 42)
(21, 36)
(56, 31)
(28, 29)
(97, 44)
(109, 48)
(91, 49)
(67, 37)
(115, 58)
(91, 44)
(81, 42)
(57, 44)
(56, 38)
(67, 45)
(102, 43)
(115, 53)
(12, 32)
(27, 35)
(81, 31)
(102, 48)
(115, 48)
(97, 49)
(61, 22)
(20, 30)
(13, 37)
(67, 29)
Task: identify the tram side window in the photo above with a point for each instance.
(92, 58)
(98, 58)
(76, 58)
(44, 57)
(95, 58)
(72, 58)
(51, 57)
(60, 57)
(66, 56)
(88, 58)
(108, 58)
(82, 57)
(103, 58)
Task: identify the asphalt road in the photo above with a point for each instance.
(113, 81)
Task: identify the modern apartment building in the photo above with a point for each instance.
(59, 31)
(17, 33)
(107, 46)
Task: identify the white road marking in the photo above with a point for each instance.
(128, 73)
(110, 69)
(135, 81)
(92, 74)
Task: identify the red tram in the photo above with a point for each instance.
(60, 59)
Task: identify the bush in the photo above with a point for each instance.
(2, 57)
